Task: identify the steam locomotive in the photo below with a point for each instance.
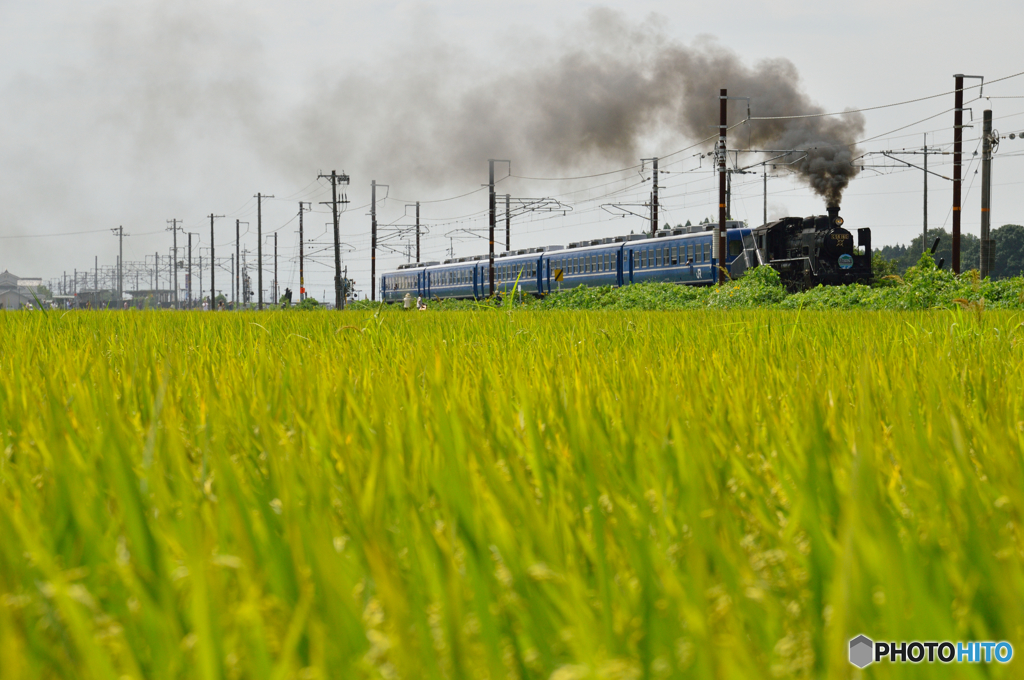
(806, 251)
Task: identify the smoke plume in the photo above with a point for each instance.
(607, 91)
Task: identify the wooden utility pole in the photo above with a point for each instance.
(508, 223)
(237, 262)
(958, 143)
(987, 243)
(373, 239)
(302, 251)
(720, 240)
(277, 296)
(119, 232)
(259, 245)
(213, 267)
(188, 279)
(336, 179)
(418, 232)
(491, 217)
(654, 199)
(174, 229)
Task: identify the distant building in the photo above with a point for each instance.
(16, 292)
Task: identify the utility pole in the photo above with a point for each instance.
(302, 251)
(720, 236)
(492, 209)
(188, 281)
(234, 273)
(96, 279)
(418, 232)
(339, 298)
(119, 232)
(765, 194)
(654, 195)
(958, 144)
(924, 224)
(958, 139)
(987, 243)
(259, 245)
(373, 239)
(213, 266)
(234, 276)
(277, 295)
(491, 216)
(508, 223)
(174, 230)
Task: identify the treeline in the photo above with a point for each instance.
(1009, 262)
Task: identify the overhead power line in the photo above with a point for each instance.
(885, 106)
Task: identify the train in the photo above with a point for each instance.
(806, 251)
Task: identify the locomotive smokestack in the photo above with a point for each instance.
(833, 212)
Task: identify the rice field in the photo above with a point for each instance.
(507, 494)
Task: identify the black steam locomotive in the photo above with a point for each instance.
(807, 251)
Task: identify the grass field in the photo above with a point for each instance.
(563, 495)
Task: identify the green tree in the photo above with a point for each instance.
(1009, 240)
(907, 256)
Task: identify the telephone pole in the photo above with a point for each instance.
(277, 295)
(490, 221)
(491, 217)
(259, 245)
(336, 179)
(720, 236)
(213, 266)
(418, 231)
(373, 239)
(302, 250)
(987, 243)
(958, 143)
(188, 278)
(654, 194)
(508, 223)
(174, 229)
(119, 232)
(235, 269)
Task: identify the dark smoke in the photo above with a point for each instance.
(427, 115)
(605, 92)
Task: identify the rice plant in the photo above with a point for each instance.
(511, 494)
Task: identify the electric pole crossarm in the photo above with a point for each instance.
(916, 167)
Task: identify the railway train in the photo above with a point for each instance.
(806, 251)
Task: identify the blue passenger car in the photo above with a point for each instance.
(686, 255)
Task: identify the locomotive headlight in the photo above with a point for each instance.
(838, 221)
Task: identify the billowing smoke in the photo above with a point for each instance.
(605, 92)
(425, 115)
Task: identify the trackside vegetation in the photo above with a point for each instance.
(923, 286)
(714, 493)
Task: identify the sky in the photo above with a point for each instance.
(131, 114)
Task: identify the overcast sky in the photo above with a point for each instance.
(134, 113)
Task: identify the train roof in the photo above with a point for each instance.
(575, 246)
